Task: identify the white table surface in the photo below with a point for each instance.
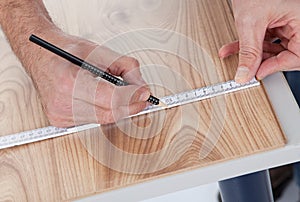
(288, 114)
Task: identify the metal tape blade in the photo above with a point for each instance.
(171, 101)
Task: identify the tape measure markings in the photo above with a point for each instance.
(199, 94)
(171, 100)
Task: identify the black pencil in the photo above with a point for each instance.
(87, 66)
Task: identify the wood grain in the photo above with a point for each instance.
(176, 43)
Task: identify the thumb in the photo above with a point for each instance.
(251, 37)
(126, 95)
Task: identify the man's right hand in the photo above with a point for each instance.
(72, 96)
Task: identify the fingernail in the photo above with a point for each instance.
(144, 96)
(259, 78)
(241, 74)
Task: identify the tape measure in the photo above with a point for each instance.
(171, 101)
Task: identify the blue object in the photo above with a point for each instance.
(293, 78)
(296, 167)
(255, 187)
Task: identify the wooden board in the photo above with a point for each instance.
(176, 43)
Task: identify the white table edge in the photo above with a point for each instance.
(288, 115)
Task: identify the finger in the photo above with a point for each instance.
(233, 48)
(129, 69)
(284, 43)
(111, 116)
(102, 57)
(124, 96)
(283, 39)
(229, 49)
(272, 47)
(286, 60)
(111, 61)
(84, 112)
(251, 37)
(125, 111)
(116, 64)
(269, 48)
(102, 93)
(284, 32)
(267, 55)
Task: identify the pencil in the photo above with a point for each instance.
(87, 66)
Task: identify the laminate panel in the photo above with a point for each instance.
(176, 43)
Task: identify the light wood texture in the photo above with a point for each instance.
(146, 147)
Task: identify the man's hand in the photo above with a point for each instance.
(73, 96)
(70, 95)
(258, 23)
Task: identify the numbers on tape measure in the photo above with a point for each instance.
(171, 101)
(29, 136)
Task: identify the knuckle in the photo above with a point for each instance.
(134, 63)
(140, 90)
(141, 93)
(249, 53)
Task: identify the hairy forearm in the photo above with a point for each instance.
(19, 19)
